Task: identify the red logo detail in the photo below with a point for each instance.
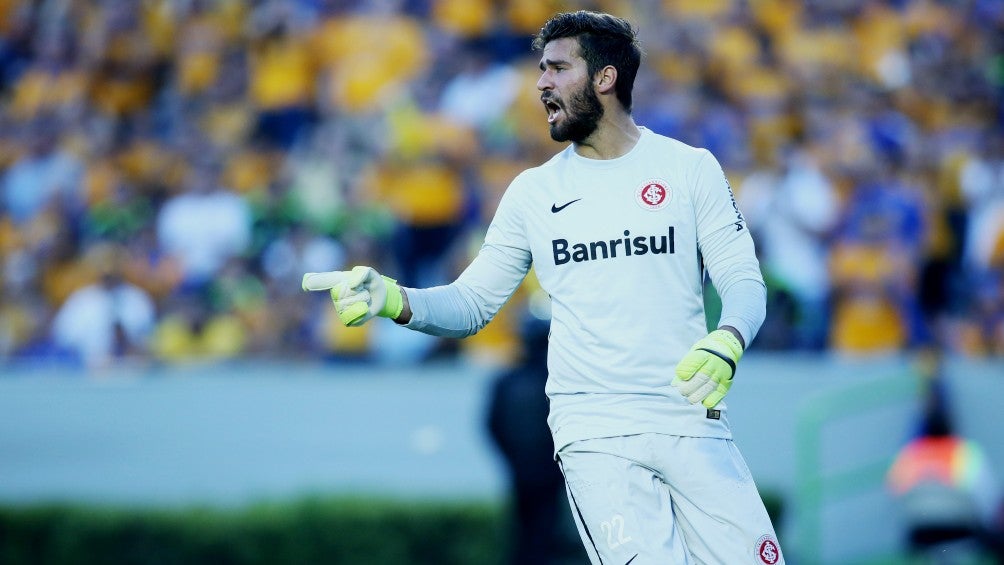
(653, 195)
(767, 550)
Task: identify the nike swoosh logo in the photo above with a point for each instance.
(555, 208)
(632, 559)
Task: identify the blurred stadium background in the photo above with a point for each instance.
(170, 168)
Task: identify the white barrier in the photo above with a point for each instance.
(228, 435)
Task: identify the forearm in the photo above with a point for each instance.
(744, 307)
(730, 258)
(465, 306)
(446, 311)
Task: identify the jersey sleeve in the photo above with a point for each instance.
(466, 305)
(715, 205)
(727, 250)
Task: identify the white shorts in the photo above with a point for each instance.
(656, 499)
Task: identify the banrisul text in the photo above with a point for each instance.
(627, 246)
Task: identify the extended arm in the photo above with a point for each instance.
(465, 306)
(458, 309)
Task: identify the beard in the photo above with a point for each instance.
(582, 116)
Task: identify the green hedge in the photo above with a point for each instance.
(307, 531)
(315, 530)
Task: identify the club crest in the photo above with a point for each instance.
(766, 550)
(653, 194)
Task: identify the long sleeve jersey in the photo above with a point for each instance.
(622, 247)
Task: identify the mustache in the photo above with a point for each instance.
(549, 97)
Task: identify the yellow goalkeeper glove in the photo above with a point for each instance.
(358, 294)
(705, 373)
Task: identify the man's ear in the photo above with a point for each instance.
(605, 79)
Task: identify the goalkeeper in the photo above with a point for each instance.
(622, 227)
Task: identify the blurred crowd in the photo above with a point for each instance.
(170, 168)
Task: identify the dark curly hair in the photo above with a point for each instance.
(603, 40)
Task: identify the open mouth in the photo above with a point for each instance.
(553, 108)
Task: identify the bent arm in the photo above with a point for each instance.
(728, 252)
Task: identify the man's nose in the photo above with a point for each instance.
(544, 82)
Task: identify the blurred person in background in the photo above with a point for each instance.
(981, 331)
(517, 422)
(479, 94)
(204, 225)
(283, 261)
(949, 497)
(794, 208)
(45, 176)
(281, 74)
(187, 331)
(124, 64)
(874, 266)
(109, 320)
(427, 195)
(362, 73)
(56, 80)
(25, 331)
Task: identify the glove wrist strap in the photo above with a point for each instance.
(394, 305)
(730, 340)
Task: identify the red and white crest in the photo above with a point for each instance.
(766, 550)
(653, 194)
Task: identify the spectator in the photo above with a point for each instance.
(362, 72)
(482, 90)
(204, 225)
(982, 184)
(948, 494)
(123, 58)
(46, 174)
(794, 211)
(55, 82)
(281, 80)
(111, 319)
(428, 199)
(517, 422)
(874, 267)
(189, 332)
(980, 332)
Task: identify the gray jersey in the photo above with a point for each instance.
(621, 247)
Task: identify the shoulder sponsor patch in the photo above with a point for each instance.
(740, 221)
(653, 194)
(766, 551)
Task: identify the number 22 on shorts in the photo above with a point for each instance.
(614, 530)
